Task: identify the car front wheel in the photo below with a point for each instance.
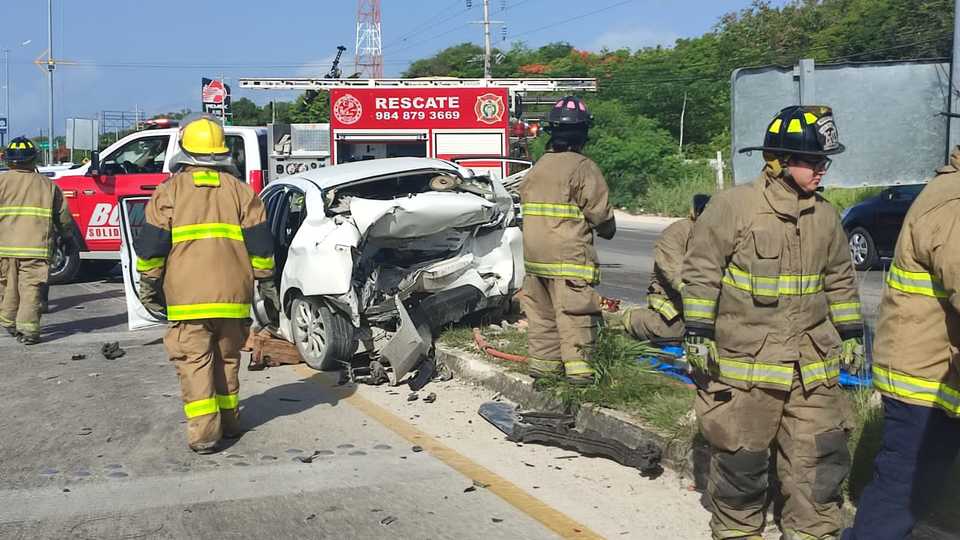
(862, 249)
(64, 263)
(323, 336)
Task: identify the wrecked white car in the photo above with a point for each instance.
(375, 257)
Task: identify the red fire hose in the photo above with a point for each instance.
(489, 349)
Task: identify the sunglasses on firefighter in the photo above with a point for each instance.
(821, 164)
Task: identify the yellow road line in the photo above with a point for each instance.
(548, 516)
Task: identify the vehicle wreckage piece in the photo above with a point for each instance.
(556, 429)
(409, 346)
(263, 350)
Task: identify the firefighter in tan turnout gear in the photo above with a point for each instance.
(916, 366)
(32, 212)
(204, 243)
(772, 312)
(564, 201)
(662, 320)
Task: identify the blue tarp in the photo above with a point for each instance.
(847, 380)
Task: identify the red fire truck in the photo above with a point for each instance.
(434, 117)
(371, 123)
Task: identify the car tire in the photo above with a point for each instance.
(64, 264)
(863, 251)
(322, 335)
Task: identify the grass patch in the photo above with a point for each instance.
(622, 383)
(625, 385)
(459, 337)
(673, 198)
(842, 198)
(864, 440)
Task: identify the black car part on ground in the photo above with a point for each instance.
(558, 429)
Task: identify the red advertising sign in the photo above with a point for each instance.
(418, 108)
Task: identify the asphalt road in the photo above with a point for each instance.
(95, 448)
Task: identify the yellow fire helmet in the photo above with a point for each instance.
(203, 135)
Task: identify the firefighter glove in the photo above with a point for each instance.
(271, 299)
(151, 294)
(701, 353)
(851, 354)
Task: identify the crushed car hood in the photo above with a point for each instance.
(421, 215)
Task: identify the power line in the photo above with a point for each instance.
(432, 37)
(425, 25)
(571, 19)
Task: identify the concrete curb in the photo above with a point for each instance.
(642, 220)
(518, 388)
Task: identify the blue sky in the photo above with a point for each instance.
(148, 55)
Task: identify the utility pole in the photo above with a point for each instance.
(6, 101)
(486, 39)
(51, 65)
(683, 113)
(953, 98)
(486, 22)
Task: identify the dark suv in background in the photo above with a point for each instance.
(873, 224)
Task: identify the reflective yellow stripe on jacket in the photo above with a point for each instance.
(190, 312)
(144, 265)
(554, 210)
(202, 231)
(845, 312)
(784, 284)
(24, 252)
(778, 374)
(563, 270)
(914, 388)
(206, 178)
(920, 283)
(663, 306)
(261, 263)
(32, 211)
(699, 308)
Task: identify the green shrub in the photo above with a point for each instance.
(843, 198)
(672, 197)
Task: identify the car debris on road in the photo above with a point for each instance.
(559, 429)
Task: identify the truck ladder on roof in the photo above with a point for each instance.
(514, 85)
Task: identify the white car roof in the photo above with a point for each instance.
(337, 175)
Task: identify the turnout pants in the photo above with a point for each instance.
(646, 324)
(563, 316)
(807, 428)
(20, 308)
(206, 353)
(919, 446)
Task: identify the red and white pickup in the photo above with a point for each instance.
(134, 165)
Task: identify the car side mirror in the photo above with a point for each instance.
(94, 169)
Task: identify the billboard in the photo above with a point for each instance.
(887, 115)
(215, 97)
(82, 134)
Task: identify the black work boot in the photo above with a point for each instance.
(205, 449)
(12, 330)
(30, 339)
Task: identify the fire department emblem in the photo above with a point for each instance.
(489, 108)
(347, 109)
